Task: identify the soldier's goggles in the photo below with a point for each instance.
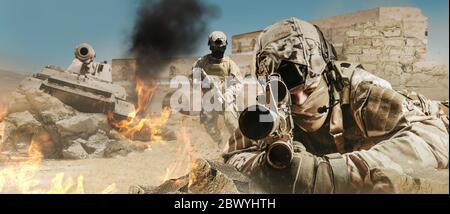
(292, 74)
(220, 42)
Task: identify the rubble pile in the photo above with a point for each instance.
(33, 113)
(211, 177)
(205, 177)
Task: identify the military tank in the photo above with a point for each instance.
(86, 85)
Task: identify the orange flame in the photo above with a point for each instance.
(144, 93)
(21, 177)
(184, 155)
(148, 127)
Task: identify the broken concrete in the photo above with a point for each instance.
(19, 129)
(96, 144)
(72, 134)
(83, 124)
(75, 151)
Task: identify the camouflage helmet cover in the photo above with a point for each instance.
(217, 38)
(291, 40)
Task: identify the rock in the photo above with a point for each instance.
(172, 186)
(377, 42)
(117, 148)
(32, 111)
(352, 50)
(168, 135)
(370, 32)
(56, 114)
(392, 32)
(208, 177)
(353, 33)
(100, 145)
(23, 120)
(75, 150)
(394, 42)
(28, 97)
(18, 103)
(96, 144)
(430, 67)
(122, 145)
(19, 129)
(371, 51)
(82, 124)
(205, 177)
(414, 42)
(362, 42)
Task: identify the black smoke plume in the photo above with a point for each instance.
(168, 28)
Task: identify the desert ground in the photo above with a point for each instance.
(148, 168)
(163, 160)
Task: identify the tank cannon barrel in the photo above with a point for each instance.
(85, 53)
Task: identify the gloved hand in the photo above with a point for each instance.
(231, 92)
(309, 174)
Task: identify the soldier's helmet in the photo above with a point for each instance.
(295, 49)
(85, 53)
(217, 39)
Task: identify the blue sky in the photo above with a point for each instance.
(36, 33)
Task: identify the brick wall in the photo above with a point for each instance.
(390, 42)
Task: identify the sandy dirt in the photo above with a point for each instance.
(164, 159)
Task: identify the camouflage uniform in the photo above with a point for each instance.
(380, 130)
(219, 70)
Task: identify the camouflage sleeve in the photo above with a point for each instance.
(243, 153)
(362, 75)
(409, 140)
(198, 63)
(234, 83)
(236, 71)
(306, 174)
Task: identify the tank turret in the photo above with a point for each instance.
(86, 85)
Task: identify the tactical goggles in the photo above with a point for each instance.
(293, 75)
(220, 42)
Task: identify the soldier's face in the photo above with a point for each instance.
(300, 94)
(306, 104)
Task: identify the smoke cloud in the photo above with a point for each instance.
(168, 28)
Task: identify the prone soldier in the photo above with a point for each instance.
(337, 128)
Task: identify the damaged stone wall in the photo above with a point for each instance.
(390, 42)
